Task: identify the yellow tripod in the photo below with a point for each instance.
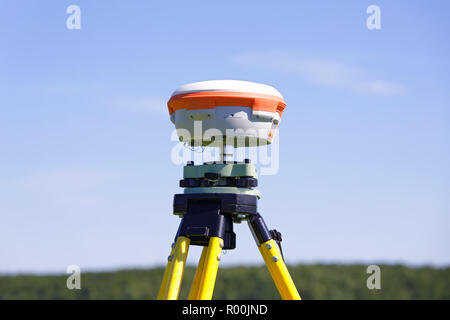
(205, 276)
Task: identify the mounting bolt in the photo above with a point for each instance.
(169, 258)
(218, 257)
(173, 244)
(221, 244)
(269, 246)
(274, 258)
(247, 160)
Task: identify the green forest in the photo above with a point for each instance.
(313, 281)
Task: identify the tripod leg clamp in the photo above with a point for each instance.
(259, 229)
(261, 233)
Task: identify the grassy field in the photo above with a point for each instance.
(313, 282)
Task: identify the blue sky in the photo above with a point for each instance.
(85, 171)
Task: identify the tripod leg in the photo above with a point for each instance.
(273, 259)
(175, 275)
(278, 271)
(211, 265)
(162, 289)
(193, 293)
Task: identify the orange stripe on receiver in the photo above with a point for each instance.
(212, 99)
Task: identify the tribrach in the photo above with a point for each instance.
(220, 193)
